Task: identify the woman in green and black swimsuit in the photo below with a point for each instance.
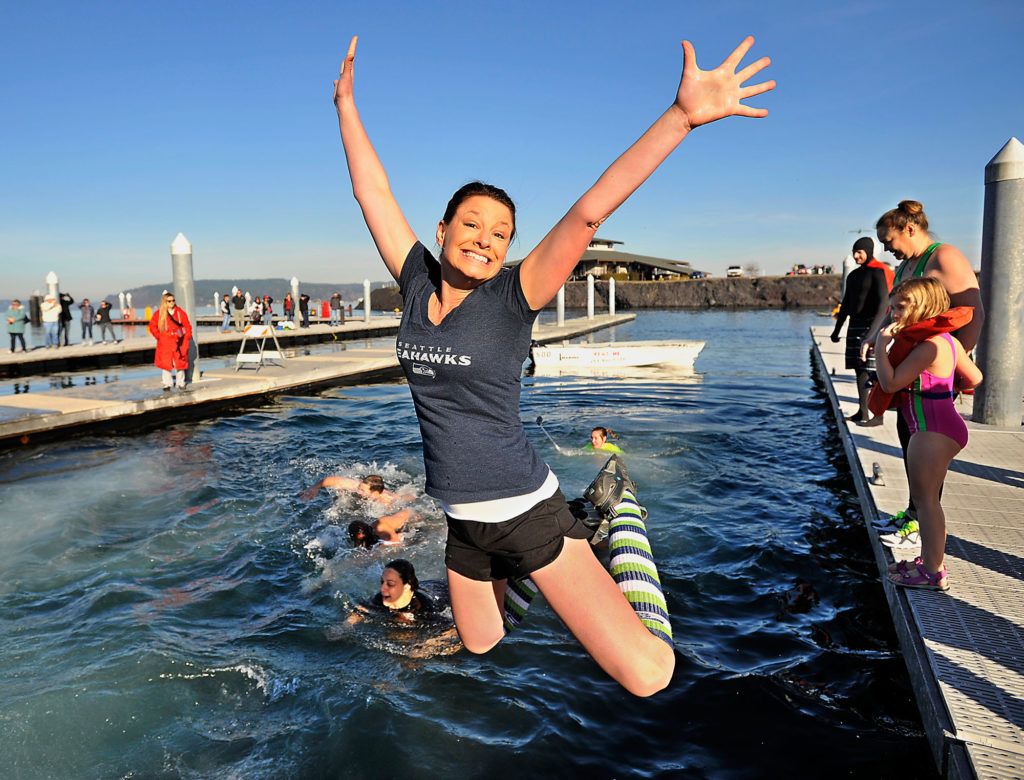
(903, 232)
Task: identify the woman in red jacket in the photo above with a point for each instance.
(173, 332)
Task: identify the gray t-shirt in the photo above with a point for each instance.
(464, 376)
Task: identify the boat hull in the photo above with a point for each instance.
(621, 354)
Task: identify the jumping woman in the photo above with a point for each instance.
(464, 335)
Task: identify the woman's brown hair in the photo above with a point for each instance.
(909, 212)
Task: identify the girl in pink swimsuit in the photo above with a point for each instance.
(938, 432)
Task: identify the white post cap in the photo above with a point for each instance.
(181, 245)
(51, 278)
(294, 281)
(1007, 164)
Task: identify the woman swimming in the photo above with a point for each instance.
(599, 441)
(399, 597)
(464, 336)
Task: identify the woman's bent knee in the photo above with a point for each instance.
(646, 678)
(479, 644)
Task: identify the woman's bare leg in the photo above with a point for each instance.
(928, 457)
(477, 609)
(589, 602)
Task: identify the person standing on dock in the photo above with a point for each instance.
(225, 313)
(172, 330)
(88, 317)
(289, 307)
(50, 311)
(65, 318)
(16, 320)
(105, 323)
(865, 303)
(304, 309)
(924, 369)
(464, 336)
(903, 232)
(238, 305)
(337, 313)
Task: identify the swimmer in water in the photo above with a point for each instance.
(599, 441)
(371, 487)
(383, 530)
(399, 597)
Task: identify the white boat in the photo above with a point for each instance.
(617, 354)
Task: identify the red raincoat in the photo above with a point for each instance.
(908, 338)
(172, 344)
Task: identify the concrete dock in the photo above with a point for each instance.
(964, 649)
(45, 405)
(140, 347)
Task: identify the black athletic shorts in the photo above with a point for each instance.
(512, 548)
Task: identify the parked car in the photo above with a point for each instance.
(734, 270)
(699, 275)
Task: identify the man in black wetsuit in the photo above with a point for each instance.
(865, 302)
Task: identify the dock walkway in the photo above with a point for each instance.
(139, 348)
(53, 405)
(964, 649)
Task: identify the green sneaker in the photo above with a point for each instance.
(909, 527)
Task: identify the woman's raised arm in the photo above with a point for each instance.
(703, 97)
(388, 226)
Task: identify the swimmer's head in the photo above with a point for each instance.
(918, 299)
(362, 534)
(370, 485)
(398, 577)
(599, 435)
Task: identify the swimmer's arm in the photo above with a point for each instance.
(358, 614)
(388, 226)
(892, 379)
(338, 483)
(388, 526)
(702, 97)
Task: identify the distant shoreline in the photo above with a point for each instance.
(748, 292)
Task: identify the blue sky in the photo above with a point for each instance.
(126, 122)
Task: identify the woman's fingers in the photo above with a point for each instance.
(757, 89)
(733, 60)
(755, 113)
(754, 68)
(351, 56)
(689, 58)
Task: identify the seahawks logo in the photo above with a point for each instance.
(422, 370)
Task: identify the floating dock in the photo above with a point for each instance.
(964, 649)
(140, 347)
(48, 405)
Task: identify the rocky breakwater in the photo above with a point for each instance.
(746, 292)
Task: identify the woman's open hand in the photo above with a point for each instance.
(343, 84)
(707, 95)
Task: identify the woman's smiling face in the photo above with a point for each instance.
(476, 240)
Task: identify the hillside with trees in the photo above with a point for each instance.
(149, 295)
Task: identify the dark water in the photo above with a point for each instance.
(170, 608)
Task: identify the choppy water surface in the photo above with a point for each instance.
(170, 608)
